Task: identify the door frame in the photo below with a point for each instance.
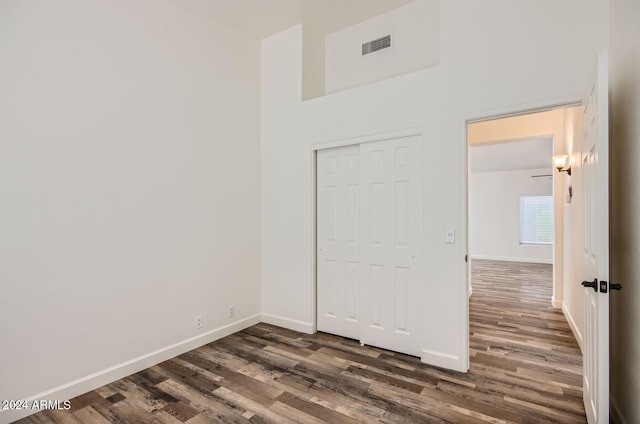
(344, 142)
(574, 100)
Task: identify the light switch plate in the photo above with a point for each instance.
(451, 237)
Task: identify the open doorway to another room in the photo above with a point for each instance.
(510, 159)
(516, 210)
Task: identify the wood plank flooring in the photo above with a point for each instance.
(525, 368)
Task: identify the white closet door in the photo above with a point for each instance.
(391, 244)
(338, 256)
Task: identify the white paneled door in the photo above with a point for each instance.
(595, 219)
(391, 247)
(338, 241)
(369, 233)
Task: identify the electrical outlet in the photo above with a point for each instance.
(198, 322)
(232, 311)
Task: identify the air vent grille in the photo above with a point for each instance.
(376, 45)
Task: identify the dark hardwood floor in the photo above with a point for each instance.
(525, 368)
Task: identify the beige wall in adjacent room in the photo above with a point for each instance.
(573, 292)
(530, 125)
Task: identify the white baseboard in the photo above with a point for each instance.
(513, 259)
(93, 381)
(443, 360)
(556, 303)
(572, 324)
(616, 414)
(291, 324)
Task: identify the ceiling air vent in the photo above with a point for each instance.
(376, 45)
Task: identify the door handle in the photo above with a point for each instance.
(615, 286)
(593, 284)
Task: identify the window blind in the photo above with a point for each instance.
(536, 220)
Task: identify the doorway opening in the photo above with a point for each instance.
(516, 199)
(518, 206)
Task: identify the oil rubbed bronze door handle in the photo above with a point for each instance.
(593, 284)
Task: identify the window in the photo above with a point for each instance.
(536, 220)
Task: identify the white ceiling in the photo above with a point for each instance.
(534, 153)
(262, 18)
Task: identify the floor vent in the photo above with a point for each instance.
(376, 45)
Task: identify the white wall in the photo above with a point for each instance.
(313, 61)
(494, 215)
(415, 34)
(129, 188)
(537, 54)
(625, 209)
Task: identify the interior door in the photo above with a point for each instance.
(391, 244)
(338, 254)
(595, 211)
